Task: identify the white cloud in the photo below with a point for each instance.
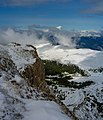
(10, 35)
(31, 37)
(66, 40)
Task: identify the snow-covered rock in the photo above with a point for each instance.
(19, 99)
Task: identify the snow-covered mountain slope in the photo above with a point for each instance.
(41, 110)
(18, 100)
(89, 33)
(86, 102)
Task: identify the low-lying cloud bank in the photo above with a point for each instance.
(10, 35)
(36, 37)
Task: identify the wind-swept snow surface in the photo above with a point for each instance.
(43, 110)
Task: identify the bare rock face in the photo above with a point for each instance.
(35, 73)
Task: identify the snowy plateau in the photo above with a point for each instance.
(53, 44)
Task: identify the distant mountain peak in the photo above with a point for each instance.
(59, 27)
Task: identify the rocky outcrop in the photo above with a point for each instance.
(14, 61)
(35, 73)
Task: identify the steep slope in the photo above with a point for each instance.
(22, 86)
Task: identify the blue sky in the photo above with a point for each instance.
(71, 14)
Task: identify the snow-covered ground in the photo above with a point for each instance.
(86, 58)
(43, 110)
(80, 101)
(14, 91)
(86, 103)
